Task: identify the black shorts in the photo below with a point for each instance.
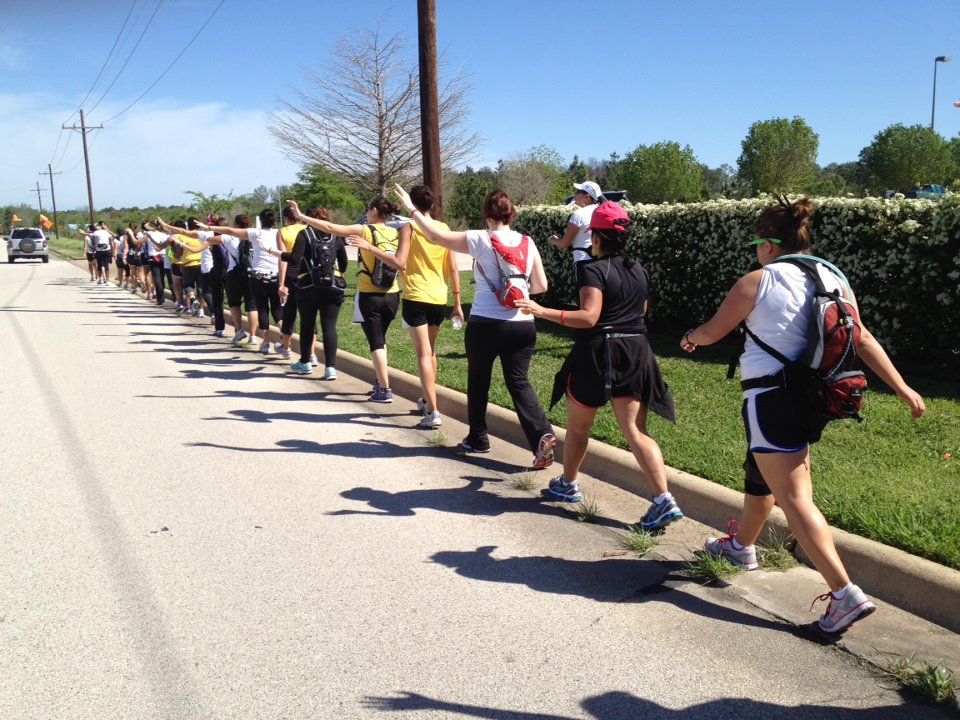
(378, 310)
(778, 421)
(122, 262)
(237, 285)
(416, 313)
(91, 257)
(103, 258)
(191, 277)
(177, 270)
(134, 260)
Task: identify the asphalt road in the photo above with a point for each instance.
(188, 532)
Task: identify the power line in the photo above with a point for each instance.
(174, 62)
(132, 51)
(106, 61)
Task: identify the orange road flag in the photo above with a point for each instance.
(15, 218)
(47, 224)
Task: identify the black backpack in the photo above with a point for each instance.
(319, 267)
(382, 275)
(244, 256)
(827, 374)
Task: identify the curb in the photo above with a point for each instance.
(914, 584)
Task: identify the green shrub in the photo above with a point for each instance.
(902, 257)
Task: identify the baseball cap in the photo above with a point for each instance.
(590, 188)
(609, 216)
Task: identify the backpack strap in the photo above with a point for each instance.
(373, 237)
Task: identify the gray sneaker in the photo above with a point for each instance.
(382, 395)
(430, 421)
(745, 557)
(422, 406)
(659, 516)
(265, 348)
(285, 352)
(568, 492)
(239, 337)
(843, 613)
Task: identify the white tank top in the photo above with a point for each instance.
(780, 317)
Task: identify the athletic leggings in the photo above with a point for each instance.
(156, 271)
(289, 314)
(211, 285)
(514, 343)
(326, 303)
(265, 295)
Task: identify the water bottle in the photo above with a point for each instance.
(456, 322)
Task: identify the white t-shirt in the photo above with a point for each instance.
(155, 238)
(485, 303)
(780, 318)
(262, 261)
(232, 244)
(206, 257)
(582, 242)
(102, 240)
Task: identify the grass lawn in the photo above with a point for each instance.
(886, 478)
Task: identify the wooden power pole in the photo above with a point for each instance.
(429, 101)
(53, 199)
(86, 159)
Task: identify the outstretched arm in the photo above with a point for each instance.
(450, 239)
(325, 226)
(734, 309)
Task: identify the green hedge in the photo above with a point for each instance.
(902, 258)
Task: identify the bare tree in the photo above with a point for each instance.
(361, 116)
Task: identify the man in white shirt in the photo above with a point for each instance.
(102, 241)
(578, 234)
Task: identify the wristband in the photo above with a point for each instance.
(456, 292)
(563, 317)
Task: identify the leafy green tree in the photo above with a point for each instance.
(719, 181)
(900, 157)
(464, 204)
(663, 172)
(534, 177)
(578, 171)
(778, 156)
(204, 205)
(317, 185)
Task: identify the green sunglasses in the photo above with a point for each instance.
(775, 241)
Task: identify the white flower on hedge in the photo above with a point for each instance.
(909, 226)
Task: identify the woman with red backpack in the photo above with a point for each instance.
(507, 267)
(776, 303)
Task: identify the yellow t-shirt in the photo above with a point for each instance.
(288, 233)
(426, 277)
(188, 258)
(386, 240)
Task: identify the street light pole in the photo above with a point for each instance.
(933, 109)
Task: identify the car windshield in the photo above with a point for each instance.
(27, 233)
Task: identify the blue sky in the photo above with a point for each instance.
(586, 79)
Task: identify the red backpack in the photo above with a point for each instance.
(513, 265)
(827, 373)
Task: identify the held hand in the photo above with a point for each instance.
(202, 225)
(295, 208)
(358, 242)
(403, 197)
(529, 307)
(457, 312)
(553, 239)
(284, 291)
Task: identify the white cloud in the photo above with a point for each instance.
(150, 155)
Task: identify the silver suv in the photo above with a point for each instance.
(27, 243)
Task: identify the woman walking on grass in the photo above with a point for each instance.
(495, 330)
(611, 360)
(776, 304)
(377, 244)
(426, 268)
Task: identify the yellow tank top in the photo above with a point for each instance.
(288, 233)
(386, 240)
(188, 258)
(425, 279)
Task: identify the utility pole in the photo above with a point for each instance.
(86, 158)
(429, 101)
(53, 199)
(39, 199)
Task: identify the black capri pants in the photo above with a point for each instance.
(264, 291)
(378, 310)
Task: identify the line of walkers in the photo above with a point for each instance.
(299, 267)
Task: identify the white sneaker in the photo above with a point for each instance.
(842, 613)
(745, 557)
(329, 373)
(313, 359)
(285, 352)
